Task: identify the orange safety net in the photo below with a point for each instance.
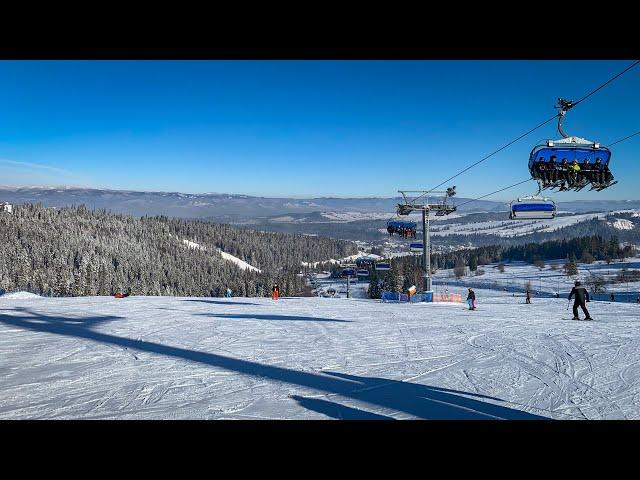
(448, 297)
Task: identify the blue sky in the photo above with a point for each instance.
(303, 128)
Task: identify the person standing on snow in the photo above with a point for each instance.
(471, 300)
(582, 295)
(528, 297)
(275, 292)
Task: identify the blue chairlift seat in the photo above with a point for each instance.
(397, 224)
(532, 209)
(416, 247)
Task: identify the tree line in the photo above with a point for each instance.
(75, 251)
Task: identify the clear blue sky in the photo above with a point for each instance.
(303, 128)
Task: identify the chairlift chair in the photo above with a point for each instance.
(532, 208)
(570, 148)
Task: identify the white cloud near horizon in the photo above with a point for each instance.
(18, 172)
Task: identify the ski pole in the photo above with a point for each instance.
(568, 303)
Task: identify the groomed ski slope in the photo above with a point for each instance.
(315, 358)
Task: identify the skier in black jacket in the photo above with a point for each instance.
(471, 300)
(582, 295)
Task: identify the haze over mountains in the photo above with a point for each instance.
(233, 207)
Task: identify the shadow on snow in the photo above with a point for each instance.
(222, 302)
(253, 316)
(416, 400)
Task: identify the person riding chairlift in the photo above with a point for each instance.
(587, 170)
(575, 173)
(541, 170)
(598, 174)
(565, 174)
(552, 170)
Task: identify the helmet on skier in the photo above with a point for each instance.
(577, 283)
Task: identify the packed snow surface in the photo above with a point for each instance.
(316, 358)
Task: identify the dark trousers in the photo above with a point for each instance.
(581, 305)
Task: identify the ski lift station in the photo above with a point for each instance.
(6, 207)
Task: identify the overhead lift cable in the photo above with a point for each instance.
(573, 104)
(493, 193)
(625, 138)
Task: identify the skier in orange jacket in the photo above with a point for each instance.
(275, 292)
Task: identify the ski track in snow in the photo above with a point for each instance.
(313, 358)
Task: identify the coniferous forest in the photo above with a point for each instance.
(75, 251)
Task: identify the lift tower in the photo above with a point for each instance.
(420, 200)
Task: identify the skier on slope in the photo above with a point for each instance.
(582, 295)
(275, 292)
(471, 299)
(528, 296)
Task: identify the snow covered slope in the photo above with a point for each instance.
(227, 256)
(306, 358)
(548, 280)
(623, 224)
(240, 263)
(512, 228)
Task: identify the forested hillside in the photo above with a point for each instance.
(77, 251)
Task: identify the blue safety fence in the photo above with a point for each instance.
(394, 297)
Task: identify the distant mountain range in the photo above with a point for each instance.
(234, 208)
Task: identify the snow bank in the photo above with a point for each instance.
(20, 295)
